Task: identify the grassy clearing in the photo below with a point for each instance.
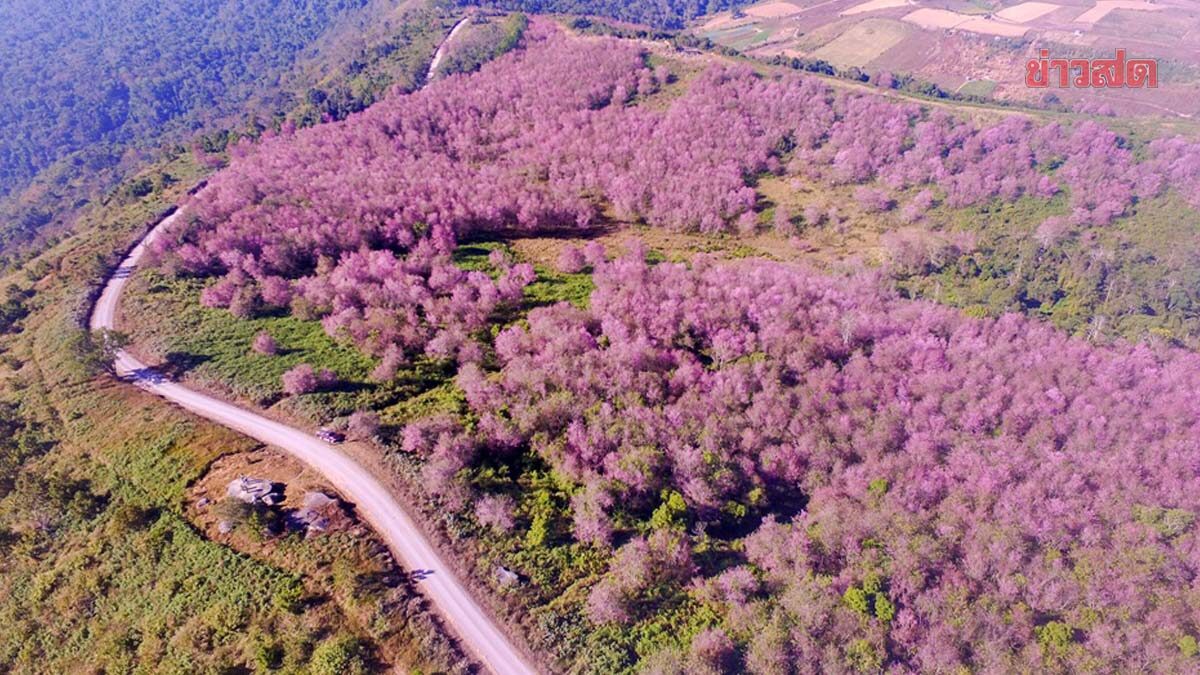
(980, 88)
(863, 43)
(211, 346)
(1135, 279)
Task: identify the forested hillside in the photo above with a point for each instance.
(261, 63)
(81, 73)
(107, 560)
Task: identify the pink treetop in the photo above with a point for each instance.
(300, 380)
(363, 424)
(571, 260)
(265, 344)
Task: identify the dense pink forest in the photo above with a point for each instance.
(986, 478)
(548, 138)
(916, 488)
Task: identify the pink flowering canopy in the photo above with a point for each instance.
(354, 222)
(986, 476)
(906, 484)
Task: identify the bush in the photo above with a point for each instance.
(1054, 636)
(289, 597)
(496, 512)
(363, 424)
(337, 656)
(873, 200)
(857, 600)
(671, 513)
(265, 344)
(571, 260)
(304, 379)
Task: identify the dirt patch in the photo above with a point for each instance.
(941, 19)
(1103, 7)
(863, 42)
(935, 19)
(208, 499)
(1026, 11)
(773, 10)
(874, 6)
(993, 27)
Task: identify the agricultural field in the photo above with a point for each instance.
(950, 44)
(863, 43)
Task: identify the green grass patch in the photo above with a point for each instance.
(1137, 279)
(980, 88)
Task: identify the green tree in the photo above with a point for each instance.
(857, 600)
(337, 656)
(671, 514)
(94, 353)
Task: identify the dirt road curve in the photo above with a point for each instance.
(441, 50)
(478, 633)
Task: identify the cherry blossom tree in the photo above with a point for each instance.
(265, 344)
(363, 424)
(302, 379)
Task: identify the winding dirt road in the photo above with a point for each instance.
(476, 630)
(474, 627)
(441, 50)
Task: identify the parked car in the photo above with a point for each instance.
(330, 436)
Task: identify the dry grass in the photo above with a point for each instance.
(941, 19)
(1026, 11)
(773, 10)
(1103, 7)
(874, 6)
(863, 42)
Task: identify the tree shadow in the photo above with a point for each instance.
(420, 575)
(176, 364)
(344, 387)
(563, 231)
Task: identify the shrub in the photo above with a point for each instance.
(571, 260)
(363, 424)
(496, 512)
(857, 600)
(265, 344)
(873, 200)
(1055, 636)
(337, 656)
(300, 380)
(670, 514)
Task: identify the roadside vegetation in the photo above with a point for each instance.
(103, 566)
(104, 561)
(484, 39)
